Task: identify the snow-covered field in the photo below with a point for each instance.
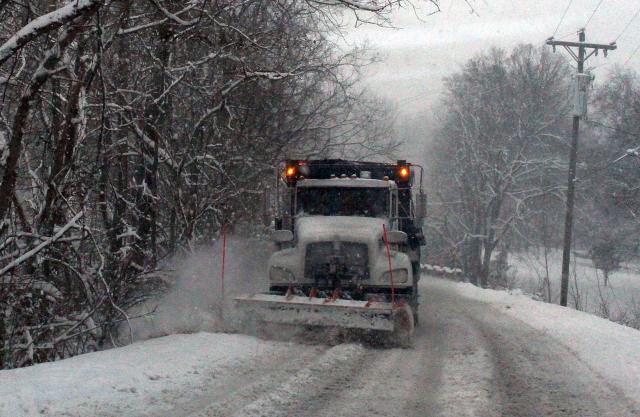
(619, 301)
(217, 374)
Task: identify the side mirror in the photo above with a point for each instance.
(421, 207)
(282, 236)
(396, 237)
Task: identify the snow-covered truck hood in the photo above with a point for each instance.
(367, 230)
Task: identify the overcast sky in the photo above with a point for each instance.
(422, 51)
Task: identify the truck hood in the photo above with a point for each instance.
(339, 228)
(367, 230)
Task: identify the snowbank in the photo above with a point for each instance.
(124, 381)
(610, 349)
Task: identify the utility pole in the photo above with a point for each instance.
(581, 84)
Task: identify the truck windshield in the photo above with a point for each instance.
(343, 201)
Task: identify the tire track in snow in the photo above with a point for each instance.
(446, 373)
(225, 389)
(537, 376)
(275, 390)
(465, 387)
(336, 364)
(469, 359)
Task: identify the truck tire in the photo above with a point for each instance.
(415, 268)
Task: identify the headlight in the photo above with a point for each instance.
(400, 276)
(279, 274)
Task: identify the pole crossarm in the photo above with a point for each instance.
(608, 47)
(582, 46)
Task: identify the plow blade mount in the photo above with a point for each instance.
(301, 310)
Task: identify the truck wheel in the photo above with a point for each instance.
(415, 267)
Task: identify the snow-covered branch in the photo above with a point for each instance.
(44, 24)
(53, 239)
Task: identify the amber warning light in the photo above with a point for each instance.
(290, 171)
(404, 172)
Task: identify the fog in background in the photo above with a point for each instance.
(423, 48)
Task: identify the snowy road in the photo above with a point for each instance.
(469, 359)
(474, 355)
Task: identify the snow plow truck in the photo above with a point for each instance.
(347, 237)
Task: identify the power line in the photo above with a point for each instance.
(566, 35)
(628, 24)
(631, 56)
(592, 14)
(562, 18)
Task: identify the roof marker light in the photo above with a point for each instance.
(403, 171)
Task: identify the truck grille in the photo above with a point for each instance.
(352, 260)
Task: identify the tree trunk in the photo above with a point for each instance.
(471, 260)
(486, 267)
(43, 73)
(148, 170)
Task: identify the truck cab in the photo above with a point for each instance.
(347, 227)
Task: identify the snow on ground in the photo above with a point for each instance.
(224, 374)
(610, 349)
(619, 301)
(131, 380)
(309, 375)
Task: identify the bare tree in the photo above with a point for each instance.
(609, 215)
(497, 150)
(132, 131)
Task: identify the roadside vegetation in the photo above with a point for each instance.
(498, 177)
(131, 132)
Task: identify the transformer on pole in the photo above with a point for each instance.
(580, 93)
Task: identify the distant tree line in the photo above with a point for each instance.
(133, 130)
(498, 164)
